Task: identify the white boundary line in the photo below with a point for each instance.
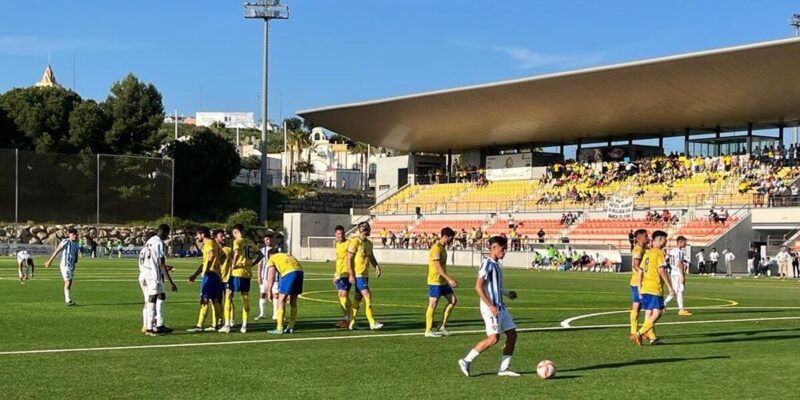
(567, 323)
(340, 337)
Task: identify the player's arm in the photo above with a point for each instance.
(165, 269)
(261, 267)
(351, 254)
(271, 271)
(52, 256)
(682, 269)
(196, 273)
(258, 259)
(510, 294)
(235, 260)
(639, 273)
(662, 272)
(484, 298)
(374, 262)
(440, 270)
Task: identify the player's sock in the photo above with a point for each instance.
(67, 297)
(634, 321)
(280, 319)
(292, 317)
(216, 312)
(354, 311)
(505, 361)
(428, 319)
(679, 296)
(646, 327)
(159, 312)
(227, 310)
(151, 313)
(471, 355)
(447, 310)
(275, 307)
(345, 303)
(261, 304)
(368, 310)
(202, 317)
(245, 308)
(144, 317)
(652, 334)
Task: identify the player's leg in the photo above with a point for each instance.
(20, 272)
(433, 300)
(492, 324)
(508, 351)
(274, 304)
(281, 305)
(67, 274)
(292, 312)
(32, 264)
(243, 287)
(262, 299)
(634, 314)
(227, 311)
(162, 297)
(357, 297)
(452, 300)
(151, 312)
(295, 290)
(145, 313)
(374, 325)
(343, 293)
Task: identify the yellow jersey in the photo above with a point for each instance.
(638, 252)
(362, 255)
(211, 246)
(341, 260)
(247, 254)
(437, 253)
(651, 281)
(284, 263)
(225, 264)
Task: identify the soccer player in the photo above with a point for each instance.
(359, 258)
(290, 287)
(210, 282)
(152, 269)
(679, 264)
(341, 276)
(653, 267)
(440, 284)
(225, 273)
(245, 254)
(24, 266)
(69, 259)
(640, 242)
(489, 287)
(269, 243)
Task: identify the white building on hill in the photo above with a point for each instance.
(242, 120)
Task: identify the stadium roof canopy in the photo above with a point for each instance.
(716, 90)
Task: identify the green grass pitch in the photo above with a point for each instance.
(751, 351)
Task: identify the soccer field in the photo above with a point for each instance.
(742, 342)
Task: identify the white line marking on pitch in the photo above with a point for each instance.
(567, 323)
(377, 335)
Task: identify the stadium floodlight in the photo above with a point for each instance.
(265, 10)
(796, 24)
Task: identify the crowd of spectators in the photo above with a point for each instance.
(569, 259)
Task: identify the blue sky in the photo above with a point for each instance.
(203, 55)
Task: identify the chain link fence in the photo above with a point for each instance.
(83, 189)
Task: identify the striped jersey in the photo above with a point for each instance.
(491, 272)
(676, 254)
(150, 257)
(69, 253)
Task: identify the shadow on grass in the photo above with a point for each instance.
(739, 340)
(634, 363)
(734, 333)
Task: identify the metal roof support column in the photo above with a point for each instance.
(630, 140)
(580, 141)
(749, 137)
(561, 149)
(686, 142)
(449, 163)
(661, 142)
(780, 135)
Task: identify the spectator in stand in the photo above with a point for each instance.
(631, 238)
(392, 240)
(723, 216)
(511, 221)
(764, 266)
(728, 255)
(713, 257)
(666, 216)
(384, 235)
(752, 264)
(541, 234)
(701, 262)
(796, 264)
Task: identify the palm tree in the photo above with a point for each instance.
(361, 150)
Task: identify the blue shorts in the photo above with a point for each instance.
(635, 294)
(652, 302)
(210, 286)
(291, 283)
(239, 284)
(437, 291)
(343, 283)
(362, 283)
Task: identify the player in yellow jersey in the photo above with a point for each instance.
(290, 286)
(210, 284)
(653, 268)
(440, 284)
(359, 258)
(245, 254)
(640, 240)
(341, 276)
(225, 274)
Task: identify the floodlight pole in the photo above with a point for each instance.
(266, 10)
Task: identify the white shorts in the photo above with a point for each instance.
(676, 282)
(67, 273)
(262, 287)
(496, 325)
(150, 286)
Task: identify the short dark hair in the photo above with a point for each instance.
(681, 239)
(238, 227)
(658, 234)
(268, 235)
(446, 231)
(163, 230)
(72, 230)
(501, 241)
(203, 230)
(639, 232)
(218, 231)
(338, 228)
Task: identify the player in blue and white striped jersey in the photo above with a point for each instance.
(69, 258)
(489, 287)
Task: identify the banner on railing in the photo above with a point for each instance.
(508, 167)
(619, 207)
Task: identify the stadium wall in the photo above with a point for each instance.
(300, 226)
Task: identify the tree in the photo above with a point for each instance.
(137, 113)
(9, 135)
(251, 163)
(361, 149)
(41, 117)
(304, 167)
(88, 124)
(204, 166)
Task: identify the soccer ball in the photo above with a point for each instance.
(546, 369)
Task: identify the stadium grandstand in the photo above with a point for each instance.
(492, 159)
